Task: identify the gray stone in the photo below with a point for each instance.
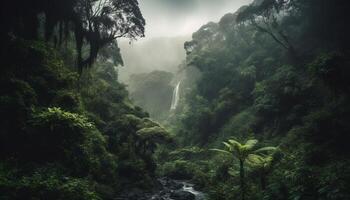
(182, 195)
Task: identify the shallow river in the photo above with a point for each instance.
(189, 188)
(177, 190)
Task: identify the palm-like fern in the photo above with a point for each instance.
(263, 164)
(242, 152)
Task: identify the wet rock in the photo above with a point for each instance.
(156, 197)
(169, 190)
(182, 195)
(175, 185)
(134, 194)
(171, 184)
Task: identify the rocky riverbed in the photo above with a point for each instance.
(169, 190)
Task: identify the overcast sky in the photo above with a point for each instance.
(169, 18)
(169, 23)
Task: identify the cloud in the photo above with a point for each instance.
(182, 17)
(169, 24)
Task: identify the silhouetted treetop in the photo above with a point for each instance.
(95, 23)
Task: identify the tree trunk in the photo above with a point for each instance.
(241, 173)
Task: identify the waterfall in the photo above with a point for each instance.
(176, 97)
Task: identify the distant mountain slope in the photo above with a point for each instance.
(148, 55)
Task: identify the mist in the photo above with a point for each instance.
(171, 18)
(255, 105)
(169, 23)
(159, 53)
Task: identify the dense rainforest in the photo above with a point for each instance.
(259, 109)
(69, 129)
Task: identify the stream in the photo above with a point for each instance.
(177, 190)
(188, 187)
(169, 189)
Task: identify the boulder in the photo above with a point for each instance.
(182, 195)
(174, 185)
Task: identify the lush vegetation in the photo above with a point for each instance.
(275, 71)
(69, 133)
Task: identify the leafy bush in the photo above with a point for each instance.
(67, 100)
(69, 138)
(46, 183)
(332, 68)
(17, 98)
(179, 169)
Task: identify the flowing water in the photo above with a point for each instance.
(176, 96)
(188, 187)
(170, 187)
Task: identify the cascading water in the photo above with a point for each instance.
(176, 189)
(176, 97)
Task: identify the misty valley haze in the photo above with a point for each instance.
(169, 24)
(175, 100)
(147, 55)
(169, 18)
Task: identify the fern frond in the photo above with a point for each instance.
(265, 150)
(229, 146)
(250, 144)
(221, 151)
(235, 143)
(255, 159)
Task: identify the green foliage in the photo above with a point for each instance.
(179, 169)
(104, 96)
(68, 101)
(53, 116)
(243, 151)
(187, 153)
(279, 69)
(70, 137)
(156, 134)
(238, 124)
(223, 191)
(33, 79)
(17, 98)
(46, 183)
(58, 21)
(331, 68)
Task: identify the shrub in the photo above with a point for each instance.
(69, 138)
(46, 183)
(179, 169)
(68, 100)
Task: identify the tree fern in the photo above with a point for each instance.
(245, 152)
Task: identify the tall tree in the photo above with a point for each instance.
(95, 23)
(266, 16)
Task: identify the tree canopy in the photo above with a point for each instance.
(94, 23)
